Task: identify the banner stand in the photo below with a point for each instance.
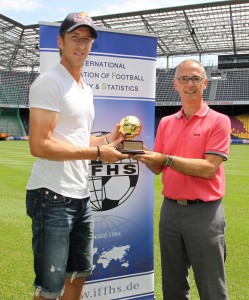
(121, 69)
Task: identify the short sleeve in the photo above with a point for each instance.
(45, 93)
(219, 140)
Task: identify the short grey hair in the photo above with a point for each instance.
(193, 61)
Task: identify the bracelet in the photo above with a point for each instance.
(105, 139)
(98, 154)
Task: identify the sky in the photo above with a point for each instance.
(29, 12)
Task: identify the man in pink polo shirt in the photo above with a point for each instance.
(189, 150)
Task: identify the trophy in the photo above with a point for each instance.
(131, 127)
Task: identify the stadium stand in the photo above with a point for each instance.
(225, 86)
(10, 122)
(164, 87)
(14, 90)
(14, 87)
(240, 126)
(230, 85)
(234, 87)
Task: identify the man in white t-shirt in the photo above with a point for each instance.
(61, 118)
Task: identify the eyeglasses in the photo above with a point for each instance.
(194, 79)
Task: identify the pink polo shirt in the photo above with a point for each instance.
(207, 132)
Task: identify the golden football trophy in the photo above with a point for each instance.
(130, 127)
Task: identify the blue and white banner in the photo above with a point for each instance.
(121, 69)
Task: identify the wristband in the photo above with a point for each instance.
(98, 154)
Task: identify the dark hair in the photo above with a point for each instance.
(62, 36)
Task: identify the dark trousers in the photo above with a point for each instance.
(193, 235)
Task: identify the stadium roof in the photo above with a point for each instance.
(207, 28)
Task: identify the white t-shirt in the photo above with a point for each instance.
(57, 90)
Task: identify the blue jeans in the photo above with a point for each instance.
(62, 239)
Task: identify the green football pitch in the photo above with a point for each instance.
(16, 264)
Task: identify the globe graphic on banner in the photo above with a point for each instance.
(117, 239)
(111, 184)
(117, 246)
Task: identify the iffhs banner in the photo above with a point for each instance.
(121, 69)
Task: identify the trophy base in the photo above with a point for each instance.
(132, 147)
(132, 152)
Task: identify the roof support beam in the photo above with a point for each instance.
(16, 49)
(232, 30)
(192, 33)
(160, 42)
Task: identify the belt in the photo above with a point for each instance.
(186, 202)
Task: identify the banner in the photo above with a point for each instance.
(121, 69)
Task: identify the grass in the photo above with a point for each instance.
(16, 261)
(15, 238)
